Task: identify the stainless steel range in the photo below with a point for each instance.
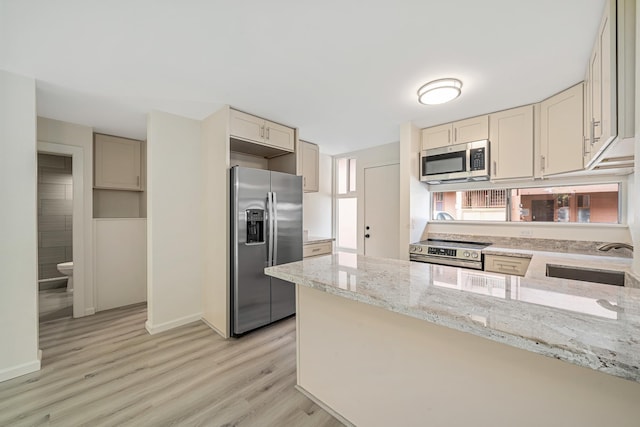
(448, 252)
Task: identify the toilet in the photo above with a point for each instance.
(66, 268)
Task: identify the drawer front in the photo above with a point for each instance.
(506, 264)
(316, 249)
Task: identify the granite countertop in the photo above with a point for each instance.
(315, 239)
(587, 324)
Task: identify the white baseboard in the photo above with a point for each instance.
(161, 327)
(216, 330)
(321, 404)
(16, 371)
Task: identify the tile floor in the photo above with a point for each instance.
(55, 304)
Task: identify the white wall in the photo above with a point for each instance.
(317, 206)
(18, 216)
(414, 196)
(174, 221)
(69, 134)
(215, 234)
(120, 252)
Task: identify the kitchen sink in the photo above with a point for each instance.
(607, 277)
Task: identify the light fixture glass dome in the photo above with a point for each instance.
(439, 91)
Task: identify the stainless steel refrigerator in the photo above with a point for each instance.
(266, 230)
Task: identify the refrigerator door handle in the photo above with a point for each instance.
(274, 207)
(270, 229)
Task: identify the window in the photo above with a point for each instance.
(346, 175)
(346, 205)
(593, 203)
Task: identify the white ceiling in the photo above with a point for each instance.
(344, 72)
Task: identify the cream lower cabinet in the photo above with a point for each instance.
(561, 138)
(468, 130)
(315, 249)
(117, 163)
(506, 264)
(511, 136)
(255, 129)
(310, 166)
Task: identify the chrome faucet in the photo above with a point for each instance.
(608, 246)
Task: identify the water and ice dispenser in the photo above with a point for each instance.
(255, 226)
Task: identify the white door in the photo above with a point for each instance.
(381, 211)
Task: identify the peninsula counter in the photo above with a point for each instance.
(387, 342)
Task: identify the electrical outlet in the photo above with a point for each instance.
(526, 233)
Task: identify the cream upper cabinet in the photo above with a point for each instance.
(468, 130)
(245, 126)
(511, 136)
(600, 102)
(561, 125)
(437, 136)
(117, 163)
(255, 129)
(586, 119)
(279, 136)
(310, 166)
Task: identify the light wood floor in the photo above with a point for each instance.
(105, 370)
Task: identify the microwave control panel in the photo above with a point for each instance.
(477, 159)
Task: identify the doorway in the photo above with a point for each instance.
(55, 249)
(542, 210)
(78, 232)
(381, 210)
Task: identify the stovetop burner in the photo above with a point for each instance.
(453, 244)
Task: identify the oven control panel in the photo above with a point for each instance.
(442, 251)
(446, 252)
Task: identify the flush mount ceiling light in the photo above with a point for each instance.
(439, 91)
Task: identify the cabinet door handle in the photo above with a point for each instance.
(449, 135)
(495, 168)
(261, 131)
(455, 134)
(594, 138)
(267, 133)
(542, 163)
(584, 146)
(138, 181)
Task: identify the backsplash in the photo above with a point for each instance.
(55, 209)
(549, 245)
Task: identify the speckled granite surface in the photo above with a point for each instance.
(590, 325)
(528, 243)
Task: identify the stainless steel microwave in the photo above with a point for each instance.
(455, 163)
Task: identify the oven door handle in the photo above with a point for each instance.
(453, 262)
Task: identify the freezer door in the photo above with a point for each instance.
(287, 197)
(250, 287)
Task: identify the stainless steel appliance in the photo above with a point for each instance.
(455, 163)
(447, 252)
(266, 230)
